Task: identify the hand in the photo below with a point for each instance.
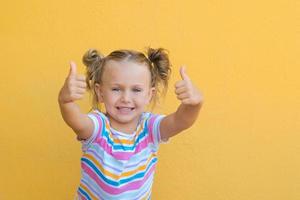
(74, 86)
(186, 91)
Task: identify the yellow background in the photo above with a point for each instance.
(243, 55)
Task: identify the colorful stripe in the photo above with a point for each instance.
(118, 167)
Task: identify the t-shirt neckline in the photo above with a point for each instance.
(116, 132)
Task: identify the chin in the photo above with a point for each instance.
(127, 118)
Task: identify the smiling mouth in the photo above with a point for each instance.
(125, 109)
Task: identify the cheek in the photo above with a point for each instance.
(144, 99)
(110, 98)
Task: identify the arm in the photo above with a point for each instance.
(187, 112)
(74, 89)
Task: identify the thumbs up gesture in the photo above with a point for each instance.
(186, 91)
(74, 86)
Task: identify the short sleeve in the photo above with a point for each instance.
(154, 129)
(97, 121)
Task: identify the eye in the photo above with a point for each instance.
(115, 89)
(137, 90)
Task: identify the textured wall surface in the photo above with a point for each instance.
(243, 55)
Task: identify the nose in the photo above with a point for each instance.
(125, 96)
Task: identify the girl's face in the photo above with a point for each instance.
(125, 91)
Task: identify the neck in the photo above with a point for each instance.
(127, 128)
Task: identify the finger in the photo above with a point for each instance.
(80, 91)
(179, 84)
(180, 90)
(73, 69)
(183, 96)
(183, 74)
(77, 96)
(81, 84)
(80, 77)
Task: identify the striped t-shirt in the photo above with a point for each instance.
(116, 165)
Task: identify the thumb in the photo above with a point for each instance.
(183, 73)
(73, 69)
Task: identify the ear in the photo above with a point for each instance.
(99, 93)
(151, 94)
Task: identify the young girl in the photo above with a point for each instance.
(120, 145)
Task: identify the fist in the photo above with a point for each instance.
(186, 91)
(74, 86)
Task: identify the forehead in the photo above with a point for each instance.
(126, 72)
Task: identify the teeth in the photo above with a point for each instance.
(124, 109)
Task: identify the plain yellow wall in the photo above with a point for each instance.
(243, 55)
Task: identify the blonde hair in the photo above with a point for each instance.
(157, 61)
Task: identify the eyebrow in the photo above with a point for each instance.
(134, 85)
(116, 83)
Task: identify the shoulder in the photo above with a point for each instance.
(152, 119)
(153, 123)
(97, 114)
(98, 118)
(151, 114)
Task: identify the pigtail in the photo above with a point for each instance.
(93, 60)
(161, 69)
